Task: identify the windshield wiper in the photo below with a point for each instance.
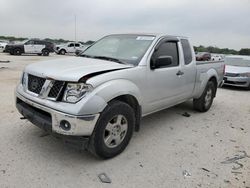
(110, 59)
(104, 58)
(88, 56)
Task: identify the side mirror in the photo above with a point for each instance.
(161, 61)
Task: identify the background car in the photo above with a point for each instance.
(2, 45)
(79, 51)
(237, 71)
(70, 47)
(216, 58)
(31, 46)
(203, 56)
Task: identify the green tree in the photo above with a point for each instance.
(244, 51)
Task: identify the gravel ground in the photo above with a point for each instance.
(171, 150)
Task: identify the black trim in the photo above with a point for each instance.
(88, 76)
(43, 120)
(36, 116)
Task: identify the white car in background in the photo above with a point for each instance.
(216, 58)
(237, 71)
(2, 45)
(69, 47)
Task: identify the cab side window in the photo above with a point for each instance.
(168, 49)
(30, 42)
(71, 45)
(37, 42)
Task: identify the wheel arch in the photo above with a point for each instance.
(62, 49)
(122, 90)
(134, 104)
(214, 80)
(210, 75)
(18, 48)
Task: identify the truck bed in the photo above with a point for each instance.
(204, 70)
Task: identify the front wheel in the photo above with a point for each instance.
(113, 130)
(205, 101)
(62, 52)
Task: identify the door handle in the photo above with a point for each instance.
(179, 73)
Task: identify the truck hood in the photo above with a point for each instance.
(72, 68)
(236, 69)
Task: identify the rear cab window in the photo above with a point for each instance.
(187, 52)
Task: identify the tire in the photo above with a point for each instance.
(115, 125)
(62, 52)
(248, 88)
(17, 51)
(45, 52)
(205, 101)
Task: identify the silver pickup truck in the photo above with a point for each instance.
(96, 101)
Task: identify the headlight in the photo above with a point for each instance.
(74, 92)
(24, 79)
(247, 74)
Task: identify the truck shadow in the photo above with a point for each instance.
(235, 88)
(160, 121)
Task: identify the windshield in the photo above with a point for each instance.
(24, 41)
(238, 61)
(125, 48)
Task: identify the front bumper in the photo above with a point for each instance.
(51, 120)
(236, 81)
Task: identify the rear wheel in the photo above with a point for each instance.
(248, 88)
(45, 52)
(205, 101)
(113, 130)
(17, 51)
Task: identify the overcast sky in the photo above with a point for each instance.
(222, 23)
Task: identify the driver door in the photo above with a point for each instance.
(71, 48)
(165, 83)
(29, 47)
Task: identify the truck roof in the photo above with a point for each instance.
(157, 35)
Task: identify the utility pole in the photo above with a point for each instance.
(75, 28)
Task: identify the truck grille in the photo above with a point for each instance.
(35, 83)
(231, 74)
(55, 90)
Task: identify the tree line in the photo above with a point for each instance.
(211, 49)
(216, 50)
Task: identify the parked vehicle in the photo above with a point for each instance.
(98, 99)
(32, 46)
(79, 51)
(216, 58)
(237, 72)
(2, 45)
(70, 47)
(203, 56)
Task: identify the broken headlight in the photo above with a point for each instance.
(74, 92)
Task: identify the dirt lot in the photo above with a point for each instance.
(171, 150)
